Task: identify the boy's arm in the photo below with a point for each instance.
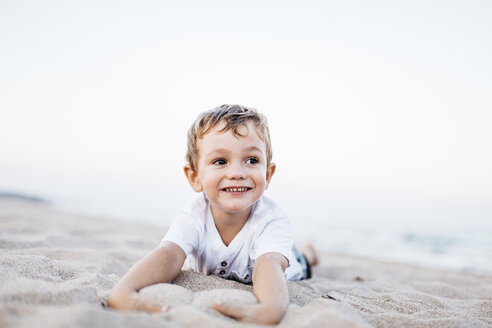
(160, 266)
(269, 287)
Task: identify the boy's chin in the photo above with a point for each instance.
(232, 210)
(236, 209)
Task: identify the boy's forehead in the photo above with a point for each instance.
(248, 138)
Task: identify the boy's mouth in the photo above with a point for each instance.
(236, 189)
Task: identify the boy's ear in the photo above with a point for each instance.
(269, 173)
(192, 177)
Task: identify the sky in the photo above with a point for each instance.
(379, 112)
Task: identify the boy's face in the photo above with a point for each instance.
(232, 171)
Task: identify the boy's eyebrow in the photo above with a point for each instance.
(218, 150)
(253, 148)
(224, 150)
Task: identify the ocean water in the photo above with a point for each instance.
(468, 251)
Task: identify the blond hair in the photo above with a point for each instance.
(233, 116)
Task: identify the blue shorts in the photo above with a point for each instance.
(306, 268)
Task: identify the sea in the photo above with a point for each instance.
(458, 250)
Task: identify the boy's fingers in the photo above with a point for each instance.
(151, 308)
(230, 311)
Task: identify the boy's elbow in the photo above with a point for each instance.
(284, 263)
(281, 260)
(277, 259)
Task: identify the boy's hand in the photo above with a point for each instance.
(160, 266)
(269, 287)
(142, 305)
(258, 313)
(133, 302)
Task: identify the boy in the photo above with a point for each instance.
(231, 230)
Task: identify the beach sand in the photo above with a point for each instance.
(57, 269)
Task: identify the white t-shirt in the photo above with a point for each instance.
(267, 230)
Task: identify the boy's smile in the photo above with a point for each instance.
(232, 171)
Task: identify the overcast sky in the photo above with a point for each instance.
(379, 111)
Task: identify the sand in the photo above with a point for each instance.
(57, 269)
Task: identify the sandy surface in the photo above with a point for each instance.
(56, 270)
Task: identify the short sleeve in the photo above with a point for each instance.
(276, 236)
(185, 232)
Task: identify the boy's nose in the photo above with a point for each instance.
(236, 171)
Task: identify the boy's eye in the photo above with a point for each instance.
(252, 160)
(219, 161)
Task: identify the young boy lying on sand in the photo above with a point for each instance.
(231, 230)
